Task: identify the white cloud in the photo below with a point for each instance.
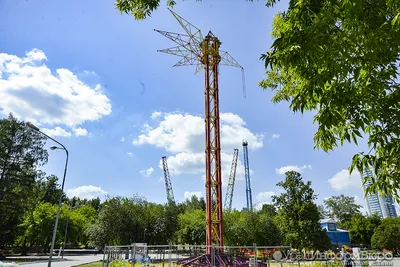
(343, 180)
(147, 172)
(86, 191)
(130, 154)
(178, 133)
(188, 195)
(80, 131)
(266, 197)
(276, 136)
(263, 198)
(283, 170)
(58, 131)
(30, 90)
(183, 135)
(156, 115)
(122, 139)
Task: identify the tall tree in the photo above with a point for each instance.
(341, 208)
(362, 228)
(247, 228)
(387, 235)
(322, 211)
(268, 209)
(21, 153)
(192, 227)
(120, 221)
(340, 59)
(299, 215)
(195, 203)
(49, 190)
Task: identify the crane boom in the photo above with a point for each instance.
(249, 199)
(231, 184)
(168, 185)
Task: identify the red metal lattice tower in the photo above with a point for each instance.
(205, 53)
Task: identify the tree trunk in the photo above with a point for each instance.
(24, 247)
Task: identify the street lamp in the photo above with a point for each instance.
(33, 127)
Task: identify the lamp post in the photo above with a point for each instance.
(33, 127)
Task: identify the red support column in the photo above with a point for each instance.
(211, 59)
(208, 119)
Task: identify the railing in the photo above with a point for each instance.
(195, 255)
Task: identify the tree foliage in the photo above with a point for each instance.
(140, 9)
(340, 59)
(30, 198)
(299, 215)
(362, 228)
(341, 208)
(21, 151)
(387, 235)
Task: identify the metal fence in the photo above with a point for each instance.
(188, 255)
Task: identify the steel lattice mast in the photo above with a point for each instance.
(231, 184)
(168, 185)
(194, 49)
(247, 177)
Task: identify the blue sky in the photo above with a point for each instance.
(94, 80)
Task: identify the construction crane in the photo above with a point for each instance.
(231, 183)
(194, 49)
(249, 199)
(168, 186)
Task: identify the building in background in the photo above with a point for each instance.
(339, 237)
(381, 205)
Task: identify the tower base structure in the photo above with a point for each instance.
(218, 260)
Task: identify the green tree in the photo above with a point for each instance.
(79, 220)
(194, 203)
(387, 235)
(298, 215)
(21, 152)
(247, 228)
(341, 208)
(49, 190)
(39, 226)
(362, 228)
(45, 190)
(192, 227)
(340, 59)
(140, 9)
(322, 211)
(120, 221)
(171, 216)
(268, 209)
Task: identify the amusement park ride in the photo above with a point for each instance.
(194, 49)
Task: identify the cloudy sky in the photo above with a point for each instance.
(93, 79)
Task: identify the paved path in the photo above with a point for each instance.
(67, 262)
